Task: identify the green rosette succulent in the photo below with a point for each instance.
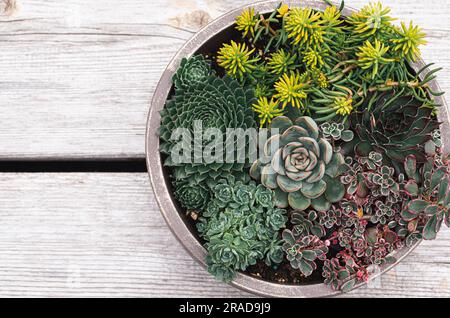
(395, 128)
(191, 196)
(217, 103)
(301, 167)
(241, 226)
(193, 70)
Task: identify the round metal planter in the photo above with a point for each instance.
(210, 37)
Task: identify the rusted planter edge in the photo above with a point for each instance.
(154, 165)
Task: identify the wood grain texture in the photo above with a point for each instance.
(78, 234)
(76, 79)
(77, 76)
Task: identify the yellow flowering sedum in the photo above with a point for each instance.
(313, 59)
(304, 27)
(281, 61)
(283, 10)
(266, 110)
(292, 89)
(331, 15)
(372, 56)
(343, 106)
(410, 38)
(319, 78)
(236, 59)
(246, 22)
(371, 19)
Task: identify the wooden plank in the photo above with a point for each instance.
(77, 77)
(81, 234)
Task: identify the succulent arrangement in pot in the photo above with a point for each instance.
(306, 146)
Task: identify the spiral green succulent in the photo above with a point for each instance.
(191, 196)
(193, 70)
(395, 128)
(219, 103)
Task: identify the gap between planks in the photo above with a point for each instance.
(93, 234)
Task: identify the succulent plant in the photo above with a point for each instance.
(304, 27)
(247, 21)
(383, 213)
(266, 110)
(382, 182)
(408, 41)
(329, 104)
(191, 196)
(281, 62)
(219, 103)
(241, 226)
(237, 59)
(343, 273)
(303, 251)
(352, 176)
(377, 246)
(345, 237)
(331, 217)
(319, 78)
(306, 224)
(371, 20)
(437, 138)
(372, 57)
(315, 58)
(395, 128)
(336, 131)
(352, 75)
(430, 206)
(302, 168)
(332, 22)
(193, 70)
(292, 89)
(372, 161)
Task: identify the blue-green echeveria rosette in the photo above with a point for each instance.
(300, 166)
(193, 70)
(241, 226)
(219, 103)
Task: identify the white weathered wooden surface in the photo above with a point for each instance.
(76, 79)
(78, 234)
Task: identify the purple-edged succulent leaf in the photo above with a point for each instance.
(317, 230)
(343, 274)
(432, 227)
(431, 209)
(306, 267)
(410, 166)
(417, 206)
(309, 255)
(348, 286)
(411, 188)
(436, 177)
(288, 237)
(443, 190)
(408, 215)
